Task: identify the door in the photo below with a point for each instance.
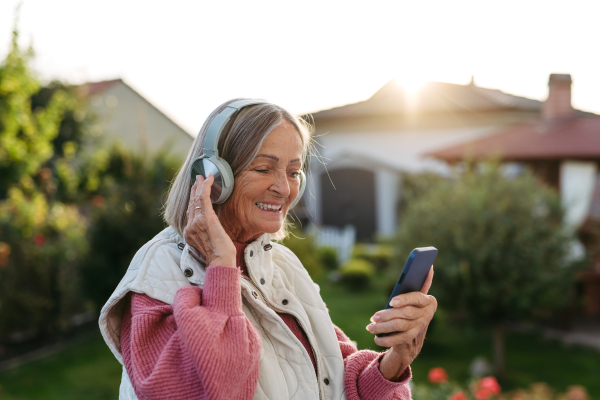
(352, 201)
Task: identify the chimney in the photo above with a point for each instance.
(558, 103)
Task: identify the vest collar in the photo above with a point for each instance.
(257, 257)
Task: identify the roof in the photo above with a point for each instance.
(90, 89)
(93, 88)
(433, 97)
(574, 137)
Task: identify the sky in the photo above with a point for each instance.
(187, 57)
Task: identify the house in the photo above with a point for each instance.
(124, 116)
(363, 148)
(562, 147)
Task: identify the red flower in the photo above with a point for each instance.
(458, 396)
(437, 375)
(39, 239)
(486, 388)
(4, 253)
(98, 200)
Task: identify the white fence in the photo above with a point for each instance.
(341, 239)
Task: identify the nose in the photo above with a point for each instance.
(281, 185)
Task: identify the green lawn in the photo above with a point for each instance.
(529, 358)
(88, 370)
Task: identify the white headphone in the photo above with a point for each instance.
(210, 162)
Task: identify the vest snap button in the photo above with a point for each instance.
(251, 253)
(326, 381)
(267, 247)
(181, 246)
(255, 294)
(188, 272)
(284, 302)
(262, 281)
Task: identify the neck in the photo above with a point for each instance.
(241, 236)
(235, 230)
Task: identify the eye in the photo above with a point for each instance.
(295, 174)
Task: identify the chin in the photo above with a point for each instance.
(271, 228)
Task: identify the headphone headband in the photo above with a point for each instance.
(213, 133)
(210, 162)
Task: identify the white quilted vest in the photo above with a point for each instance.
(286, 371)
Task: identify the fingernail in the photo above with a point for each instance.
(197, 178)
(370, 327)
(375, 318)
(394, 303)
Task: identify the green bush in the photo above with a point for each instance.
(39, 278)
(380, 255)
(328, 258)
(357, 274)
(126, 214)
(41, 235)
(502, 247)
(303, 246)
(488, 388)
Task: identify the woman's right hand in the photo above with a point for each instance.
(204, 231)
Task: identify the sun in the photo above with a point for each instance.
(412, 83)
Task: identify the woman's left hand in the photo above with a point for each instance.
(410, 316)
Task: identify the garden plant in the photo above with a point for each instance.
(503, 250)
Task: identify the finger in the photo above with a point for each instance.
(204, 192)
(394, 340)
(428, 281)
(193, 192)
(199, 182)
(416, 299)
(190, 207)
(409, 313)
(394, 325)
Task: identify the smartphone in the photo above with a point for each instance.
(413, 274)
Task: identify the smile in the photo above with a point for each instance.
(268, 207)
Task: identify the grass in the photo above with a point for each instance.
(88, 370)
(529, 358)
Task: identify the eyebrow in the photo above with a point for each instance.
(276, 158)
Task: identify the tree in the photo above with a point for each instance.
(127, 204)
(502, 247)
(41, 237)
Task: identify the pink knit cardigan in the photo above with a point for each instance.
(204, 347)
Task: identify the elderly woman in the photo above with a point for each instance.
(213, 308)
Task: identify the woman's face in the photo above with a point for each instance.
(264, 192)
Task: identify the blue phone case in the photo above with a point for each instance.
(413, 274)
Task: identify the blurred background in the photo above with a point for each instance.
(469, 126)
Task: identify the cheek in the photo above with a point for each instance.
(241, 200)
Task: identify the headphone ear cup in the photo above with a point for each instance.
(300, 190)
(227, 178)
(197, 169)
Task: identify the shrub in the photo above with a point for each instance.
(488, 389)
(303, 246)
(502, 247)
(328, 258)
(41, 236)
(126, 213)
(39, 278)
(380, 255)
(357, 274)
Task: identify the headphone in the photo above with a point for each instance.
(210, 162)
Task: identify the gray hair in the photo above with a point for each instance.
(239, 144)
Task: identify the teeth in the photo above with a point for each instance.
(268, 207)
